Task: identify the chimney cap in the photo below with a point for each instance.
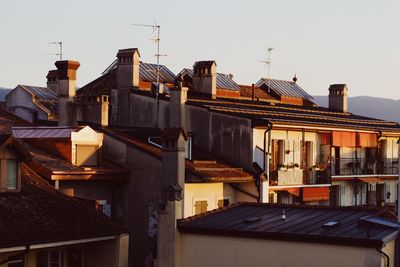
(295, 78)
(338, 86)
(172, 134)
(204, 64)
(52, 74)
(127, 52)
(67, 69)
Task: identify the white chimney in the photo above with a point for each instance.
(66, 92)
(205, 78)
(178, 98)
(128, 68)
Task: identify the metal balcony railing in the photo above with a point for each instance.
(364, 166)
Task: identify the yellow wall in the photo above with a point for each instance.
(219, 251)
(211, 192)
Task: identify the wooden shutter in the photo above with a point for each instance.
(12, 174)
(200, 206)
(86, 155)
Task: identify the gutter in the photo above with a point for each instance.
(387, 264)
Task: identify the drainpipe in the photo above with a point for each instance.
(264, 185)
(398, 184)
(384, 255)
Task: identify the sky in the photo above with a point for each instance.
(356, 42)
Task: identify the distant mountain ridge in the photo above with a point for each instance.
(3, 93)
(374, 107)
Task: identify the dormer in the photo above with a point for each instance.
(86, 145)
(10, 166)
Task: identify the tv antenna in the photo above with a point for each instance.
(268, 61)
(156, 28)
(60, 52)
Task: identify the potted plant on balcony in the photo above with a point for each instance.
(282, 167)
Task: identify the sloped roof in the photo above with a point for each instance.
(108, 80)
(284, 88)
(40, 92)
(8, 120)
(223, 80)
(40, 214)
(276, 112)
(44, 132)
(303, 223)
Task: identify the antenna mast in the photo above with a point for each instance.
(60, 51)
(156, 27)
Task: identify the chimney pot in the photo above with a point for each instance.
(205, 77)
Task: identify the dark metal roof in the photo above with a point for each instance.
(43, 132)
(40, 92)
(302, 223)
(223, 80)
(148, 72)
(284, 88)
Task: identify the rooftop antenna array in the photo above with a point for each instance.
(60, 48)
(156, 28)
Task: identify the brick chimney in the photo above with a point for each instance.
(66, 92)
(52, 80)
(172, 195)
(177, 101)
(128, 68)
(205, 78)
(338, 97)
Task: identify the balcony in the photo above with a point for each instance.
(297, 176)
(364, 166)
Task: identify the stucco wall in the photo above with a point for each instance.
(219, 251)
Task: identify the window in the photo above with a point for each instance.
(15, 261)
(200, 206)
(223, 203)
(336, 195)
(74, 258)
(12, 174)
(51, 258)
(86, 155)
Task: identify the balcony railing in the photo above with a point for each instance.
(297, 176)
(364, 166)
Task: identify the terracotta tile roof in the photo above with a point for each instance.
(319, 224)
(47, 164)
(292, 114)
(100, 86)
(8, 120)
(246, 91)
(39, 214)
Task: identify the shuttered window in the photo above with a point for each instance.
(200, 207)
(12, 174)
(223, 203)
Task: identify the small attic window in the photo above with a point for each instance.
(331, 224)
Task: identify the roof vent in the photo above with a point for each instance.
(283, 217)
(252, 219)
(331, 224)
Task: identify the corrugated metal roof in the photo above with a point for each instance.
(284, 88)
(43, 132)
(223, 80)
(307, 223)
(148, 72)
(40, 92)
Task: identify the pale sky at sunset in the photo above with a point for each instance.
(344, 41)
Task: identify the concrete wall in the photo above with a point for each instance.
(219, 251)
(141, 198)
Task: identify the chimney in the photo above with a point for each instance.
(338, 97)
(52, 81)
(128, 68)
(66, 92)
(205, 78)
(178, 98)
(94, 109)
(173, 183)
